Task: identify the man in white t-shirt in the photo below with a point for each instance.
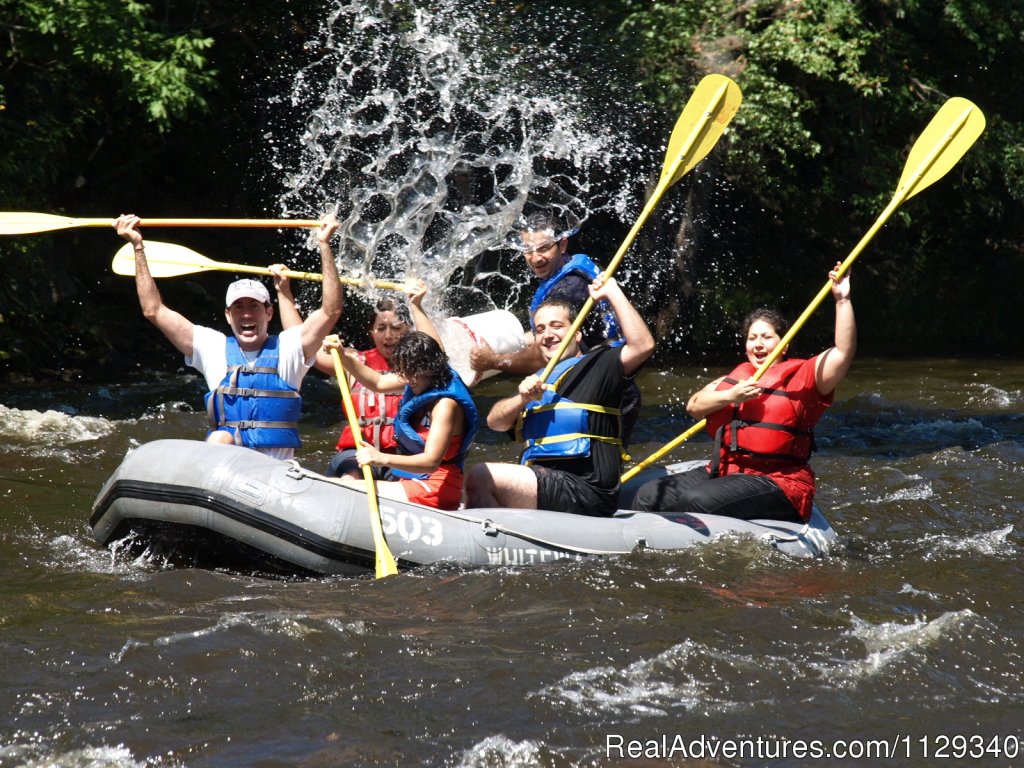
(253, 377)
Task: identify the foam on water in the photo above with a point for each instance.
(51, 426)
(990, 543)
(501, 752)
(991, 396)
(30, 753)
(889, 643)
(918, 492)
(669, 682)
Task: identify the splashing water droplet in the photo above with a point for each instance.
(431, 143)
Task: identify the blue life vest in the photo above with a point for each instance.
(411, 442)
(259, 407)
(580, 264)
(556, 427)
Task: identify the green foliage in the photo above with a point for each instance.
(108, 105)
(79, 71)
(835, 93)
(77, 76)
(118, 44)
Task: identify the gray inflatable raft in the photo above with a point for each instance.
(220, 506)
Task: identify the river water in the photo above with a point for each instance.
(909, 634)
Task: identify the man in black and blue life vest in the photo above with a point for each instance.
(545, 246)
(253, 377)
(570, 425)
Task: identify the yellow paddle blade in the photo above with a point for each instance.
(707, 113)
(385, 564)
(165, 260)
(703, 119)
(953, 130)
(26, 223)
(170, 260)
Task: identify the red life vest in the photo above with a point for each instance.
(771, 435)
(770, 432)
(376, 411)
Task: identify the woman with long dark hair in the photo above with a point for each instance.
(434, 425)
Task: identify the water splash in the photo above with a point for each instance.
(31, 426)
(432, 126)
(891, 643)
(30, 749)
(501, 752)
(990, 543)
(683, 677)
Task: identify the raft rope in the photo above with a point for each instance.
(487, 525)
(811, 535)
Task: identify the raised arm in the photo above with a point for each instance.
(361, 372)
(322, 320)
(290, 316)
(286, 308)
(175, 326)
(639, 344)
(706, 401)
(415, 290)
(836, 361)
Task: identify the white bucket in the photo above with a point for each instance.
(499, 328)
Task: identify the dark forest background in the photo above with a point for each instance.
(162, 109)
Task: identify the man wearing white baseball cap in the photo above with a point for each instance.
(253, 377)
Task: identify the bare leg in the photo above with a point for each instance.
(220, 437)
(501, 485)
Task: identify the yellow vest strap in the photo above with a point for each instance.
(578, 407)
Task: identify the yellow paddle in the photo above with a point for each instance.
(170, 260)
(709, 110)
(386, 565)
(26, 223)
(952, 131)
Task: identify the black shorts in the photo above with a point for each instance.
(565, 492)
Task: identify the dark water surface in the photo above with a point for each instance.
(910, 634)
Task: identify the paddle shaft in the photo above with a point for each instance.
(238, 223)
(907, 188)
(26, 222)
(666, 180)
(316, 276)
(385, 561)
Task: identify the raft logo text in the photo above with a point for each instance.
(957, 747)
(411, 527)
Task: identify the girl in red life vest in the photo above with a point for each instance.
(763, 429)
(376, 410)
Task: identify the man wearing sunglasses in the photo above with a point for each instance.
(544, 243)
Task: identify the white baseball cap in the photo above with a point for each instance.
(247, 289)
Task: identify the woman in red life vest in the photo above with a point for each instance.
(763, 429)
(376, 410)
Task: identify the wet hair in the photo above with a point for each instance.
(570, 310)
(770, 316)
(388, 304)
(416, 352)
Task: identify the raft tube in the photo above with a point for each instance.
(222, 506)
